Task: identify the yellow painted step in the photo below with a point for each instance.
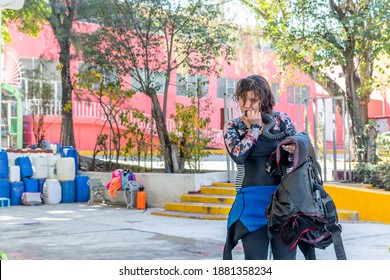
(223, 184)
(343, 215)
(218, 190)
(208, 198)
(188, 215)
(348, 215)
(204, 208)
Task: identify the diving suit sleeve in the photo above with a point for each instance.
(239, 146)
(285, 122)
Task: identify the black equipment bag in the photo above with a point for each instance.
(300, 209)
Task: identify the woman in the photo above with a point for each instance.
(250, 150)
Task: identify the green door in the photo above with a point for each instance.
(11, 118)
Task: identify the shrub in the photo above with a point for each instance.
(376, 174)
(383, 144)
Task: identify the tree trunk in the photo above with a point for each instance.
(67, 131)
(61, 24)
(162, 133)
(175, 157)
(165, 102)
(364, 110)
(353, 103)
(182, 156)
(372, 133)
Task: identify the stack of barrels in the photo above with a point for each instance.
(55, 176)
(4, 182)
(74, 187)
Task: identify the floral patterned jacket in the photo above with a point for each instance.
(250, 150)
(240, 139)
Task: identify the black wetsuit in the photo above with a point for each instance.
(247, 220)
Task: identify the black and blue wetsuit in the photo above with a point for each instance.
(247, 220)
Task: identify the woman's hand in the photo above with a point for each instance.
(289, 148)
(252, 117)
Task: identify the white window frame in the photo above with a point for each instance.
(187, 85)
(298, 92)
(229, 88)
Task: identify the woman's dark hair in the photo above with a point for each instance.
(261, 89)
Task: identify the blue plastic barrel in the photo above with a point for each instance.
(73, 154)
(3, 164)
(30, 184)
(4, 188)
(68, 192)
(63, 150)
(40, 184)
(26, 170)
(17, 189)
(82, 189)
(45, 145)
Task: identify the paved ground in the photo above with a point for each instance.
(83, 232)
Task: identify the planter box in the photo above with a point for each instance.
(163, 187)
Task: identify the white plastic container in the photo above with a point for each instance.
(40, 167)
(12, 157)
(51, 191)
(52, 166)
(66, 169)
(53, 147)
(14, 173)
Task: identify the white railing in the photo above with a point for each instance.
(94, 110)
(36, 106)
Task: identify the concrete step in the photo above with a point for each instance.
(189, 215)
(214, 203)
(218, 190)
(223, 184)
(344, 215)
(203, 208)
(208, 198)
(348, 215)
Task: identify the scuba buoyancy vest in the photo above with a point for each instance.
(301, 209)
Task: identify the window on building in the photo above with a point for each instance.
(296, 93)
(34, 68)
(191, 85)
(108, 75)
(40, 79)
(264, 45)
(226, 86)
(157, 80)
(83, 69)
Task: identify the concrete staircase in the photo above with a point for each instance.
(214, 203)
(211, 203)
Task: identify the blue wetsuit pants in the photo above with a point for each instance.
(247, 222)
(256, 243)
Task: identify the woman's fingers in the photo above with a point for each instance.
(253, 117)
(289, 148)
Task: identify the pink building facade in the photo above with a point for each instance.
(41, 53)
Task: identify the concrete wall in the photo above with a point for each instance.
(371, 204)
(161, 187)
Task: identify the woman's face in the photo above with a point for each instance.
(250, 103)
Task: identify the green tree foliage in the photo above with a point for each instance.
(40, 93)
(149, 39)
(104, 87)
(62, 16)
(383, 144)
(376, 174)
(326, 37)
(190, 136)
(139, 135)
(26, 20)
